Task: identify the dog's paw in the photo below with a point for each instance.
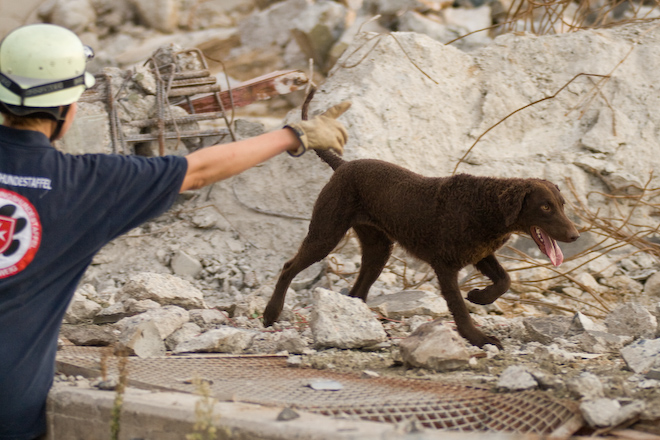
(493, 341)
(481, 296)
(484, 339)
(270, 316)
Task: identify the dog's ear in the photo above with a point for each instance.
(511, 202)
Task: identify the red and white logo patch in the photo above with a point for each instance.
(20, 233)
(7, 227)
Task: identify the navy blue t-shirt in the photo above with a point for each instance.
(56, 211)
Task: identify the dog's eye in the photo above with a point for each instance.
(545, 207)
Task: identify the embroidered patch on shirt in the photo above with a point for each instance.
(20, 233)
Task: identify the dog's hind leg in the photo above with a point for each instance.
(491, 268)
(376, 250)
(323, 236)
(448, 280)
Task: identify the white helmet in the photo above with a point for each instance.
(41, 66)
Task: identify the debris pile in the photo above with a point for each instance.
(577, 107)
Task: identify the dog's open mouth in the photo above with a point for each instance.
(547, 245)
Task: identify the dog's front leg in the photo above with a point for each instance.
(448, 280)
(491, 268)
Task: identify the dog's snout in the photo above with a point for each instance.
(573, 234)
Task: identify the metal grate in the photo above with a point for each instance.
(267, 380)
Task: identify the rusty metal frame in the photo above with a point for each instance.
(196, 92)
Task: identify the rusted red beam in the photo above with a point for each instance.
(257, 89)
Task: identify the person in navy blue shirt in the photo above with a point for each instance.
(57, 210)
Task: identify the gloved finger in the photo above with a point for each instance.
(338, 148)
(337, 110)
(343, 134)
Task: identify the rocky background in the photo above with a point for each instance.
(567, 93)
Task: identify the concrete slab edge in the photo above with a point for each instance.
(76, 413)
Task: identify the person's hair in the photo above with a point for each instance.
(25, 122)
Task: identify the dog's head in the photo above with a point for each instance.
(538, 210)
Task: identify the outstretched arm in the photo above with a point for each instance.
(221, 161)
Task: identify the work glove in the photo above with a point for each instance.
(323, 132)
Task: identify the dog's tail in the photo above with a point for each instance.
(327, 156)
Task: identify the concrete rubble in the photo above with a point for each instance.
(196, 279)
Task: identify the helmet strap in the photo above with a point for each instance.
(61, 119)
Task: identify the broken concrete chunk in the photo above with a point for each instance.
(409, 303)
(221, 340)
(187, 331)
(290, 341)
(141, 339)
(435, 346)
(185, 265)
(317, 29)
(516, 378)
(162, 15)
(81, 309)
(600, 342)
(582, 323)
(632, 319)
(603, 412)
(547, 329)
(89, 335)
(271, 26)
(166, 319)
(652, 285)
(208, 319)
(112, 313)
(343, 322)
(164, 289)
(642, 355)
(134, 307)
(586, 386)
(124, 309)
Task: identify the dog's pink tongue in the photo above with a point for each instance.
(551, 249)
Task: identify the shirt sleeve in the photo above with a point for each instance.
(112, 194)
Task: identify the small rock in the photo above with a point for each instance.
(166, 319)
(434, 346)
(343, 322)
(547, 329)
(368, 374)
(81, 309)
(652, 285)
(582, 323)
(600, 342)
(409, 303)
(111, 314)
(89, 335)
(586, 386)
(294, 361)
(632, 319)
(603, 412)
(290, 341)
(287, 414)
(208, 319)
(142, 340)
(325, 385)
(165, 289)
(185, 265)
(221, 340)
(642, 355)
(187, 331)
(516, 378)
